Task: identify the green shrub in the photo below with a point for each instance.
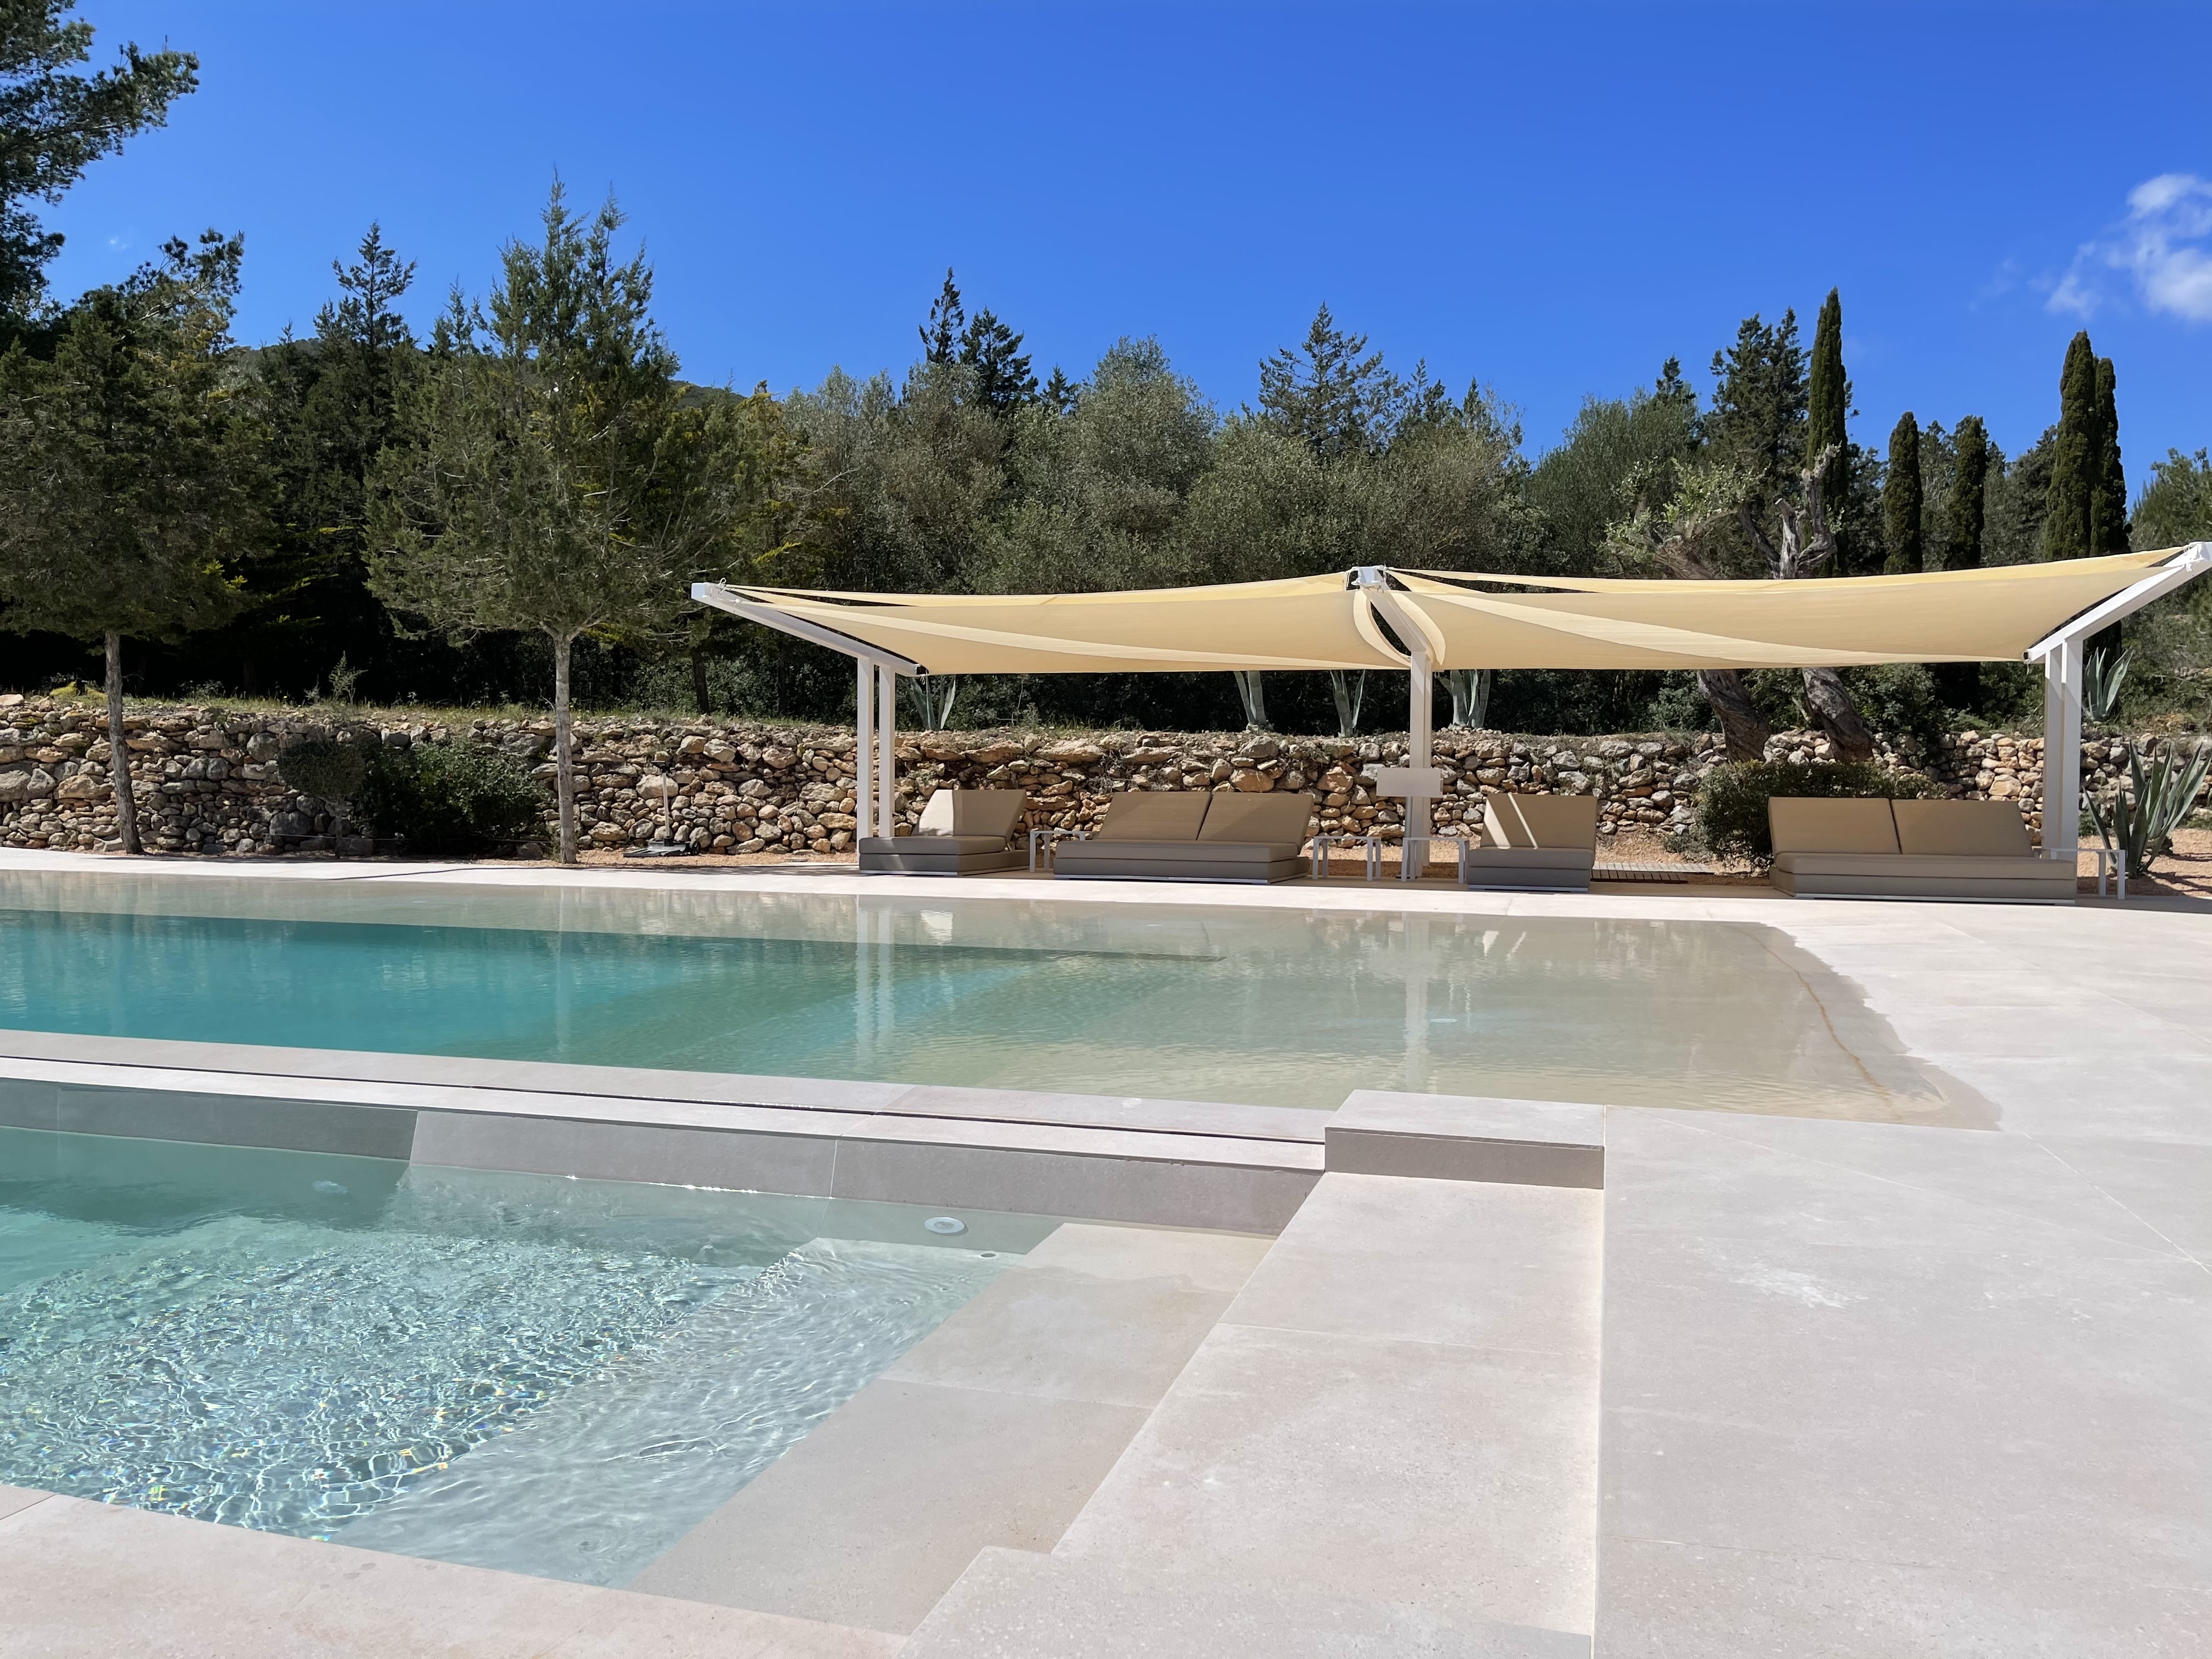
(1732, 800)
(446, 800)
(1900, 698)
(329, 771)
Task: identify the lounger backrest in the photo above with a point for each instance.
(1558, 821)
(1799, 824)
(972, 812)
(1962, 828)
(1272, 820)
(1154, 815)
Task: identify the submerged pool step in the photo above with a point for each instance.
(1153, 1162)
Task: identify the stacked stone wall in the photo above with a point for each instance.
(207, 782)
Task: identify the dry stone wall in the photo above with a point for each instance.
(206, 776)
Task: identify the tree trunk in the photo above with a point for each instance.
(700, 698)
(118, 751)
(564, 761)
(1838, 714)
(1740, 725)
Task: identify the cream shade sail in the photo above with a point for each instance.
(1465, 620)
(1306, 622)
(1953, 616)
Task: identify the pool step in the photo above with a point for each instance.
(992, 1431)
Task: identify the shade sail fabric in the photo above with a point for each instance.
(1471, 621)
(1306, 622)
(1955, 615)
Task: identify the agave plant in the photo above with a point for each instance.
(1470, 695)
(2139, 821)
(932, 696)
(2102, 677)
(1349, 689)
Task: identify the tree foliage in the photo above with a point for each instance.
(1900, 500)
(130, 470)
(56, 122)
(559, 480)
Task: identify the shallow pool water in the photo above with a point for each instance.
(551, 1377)
(1274, 1006)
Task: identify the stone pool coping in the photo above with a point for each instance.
(1857, 1388)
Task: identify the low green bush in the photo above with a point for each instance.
(448, 800)
(1732, 800)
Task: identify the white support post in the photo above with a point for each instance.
(864, 751)
(887, 754)
(2061, 750)
(1419, 821)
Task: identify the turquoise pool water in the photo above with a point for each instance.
(552, 1376)
(1188, 1001)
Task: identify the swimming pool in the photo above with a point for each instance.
(548, 1375)
(1273, 1006)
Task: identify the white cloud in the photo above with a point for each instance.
(2164, 246)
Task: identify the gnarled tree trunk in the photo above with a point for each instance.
(1838, 714)
(1745, 732)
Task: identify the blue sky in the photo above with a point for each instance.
(1552, 198)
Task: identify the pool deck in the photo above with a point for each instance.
(1630, 1381)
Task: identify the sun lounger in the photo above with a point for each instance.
(1915, 849)
(1533, 843)
(961, 832)
(1192, 836)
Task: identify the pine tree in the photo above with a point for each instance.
(1671, 390)
(2108, 500)
(129, 472)
(1757, 423)
(2076, 456)
(940, 335)
(1962, 540)
(992, 353)
(1828, 398)
(1900, 499)
(1331, 391)
(1060, 393)
(53, 125)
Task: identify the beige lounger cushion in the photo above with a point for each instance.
(1141, 860)
(1800, 824)
(1271, 820)
(1531, 858)
(1962, 828)
(1199, 854)
(962, 812)
(1151, 815)
(1539, 820)
(933, 845)
(1927, 867)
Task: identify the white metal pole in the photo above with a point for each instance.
(864, 751)
(2070, 756)
(887, 761)
(1419, 824)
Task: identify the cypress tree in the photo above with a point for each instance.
(1970, 474)
(2076, 452)
(1900, 499)
(1828, 400)
(1959, 684)
(2108, 499)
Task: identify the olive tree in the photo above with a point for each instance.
(556, 479)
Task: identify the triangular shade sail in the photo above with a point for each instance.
(1467, 621)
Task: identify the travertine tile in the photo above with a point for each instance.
(869, 1518)
(88, 1581)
